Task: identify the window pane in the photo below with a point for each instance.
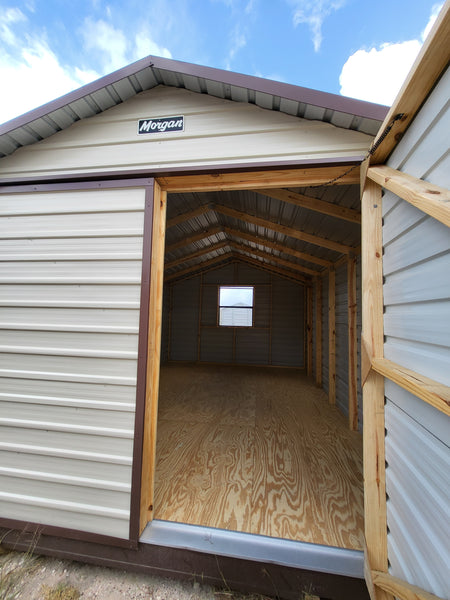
(236, 296)
(236, 317)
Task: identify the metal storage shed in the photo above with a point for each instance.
(261, 182)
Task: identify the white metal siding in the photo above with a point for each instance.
(70, 276)
(217, 131)
(417, 336)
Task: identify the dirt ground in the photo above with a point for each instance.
(26, 577)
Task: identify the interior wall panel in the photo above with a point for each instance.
(278, 333)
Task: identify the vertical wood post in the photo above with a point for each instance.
(373, 383)
(200, 304)
(309, 330)
(153, 356)
(332, 336)
(319, 331)
(352, 345)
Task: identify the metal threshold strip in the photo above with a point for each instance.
(248, 546)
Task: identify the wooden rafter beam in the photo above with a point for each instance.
(201, 252)
(427, 197)
(399, 588)
(326, 208)
(433, 58)
(269, 244)
(206, 233)
(289, 231)
(276, 259)
(254, 179)
(198, 267)
(196, 212)
(435, 393)
(274, 269)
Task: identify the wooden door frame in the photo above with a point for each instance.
(257, 179)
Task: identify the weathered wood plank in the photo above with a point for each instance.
(272, 257)
(427, 197)
(269, 244)
(399, 588)
(259, 179)
(373, 389)
(435, 393)
(153, 356)
(289, 231)
(315, 204)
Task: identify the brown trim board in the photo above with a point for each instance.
(272, 580)
(136, 475)
(183, 171)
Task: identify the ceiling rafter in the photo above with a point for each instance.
(194, 238)
(201, 252)
(274, 269)
(196, 212)
(199, 266)
(284, 229)
(326, 208)
(275, 246)
(273, 258)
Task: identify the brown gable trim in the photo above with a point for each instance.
(325, 100)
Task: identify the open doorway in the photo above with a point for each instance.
(246, 441)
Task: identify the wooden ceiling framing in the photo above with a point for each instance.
(213, 232)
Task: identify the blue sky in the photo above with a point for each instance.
(355, 47)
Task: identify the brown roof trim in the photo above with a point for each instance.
(136, 475)
(326, 100)
(25, 182)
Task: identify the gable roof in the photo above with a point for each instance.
(150, 72)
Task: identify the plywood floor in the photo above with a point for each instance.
(259, 451)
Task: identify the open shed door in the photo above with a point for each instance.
(70, 296)
(378, 373)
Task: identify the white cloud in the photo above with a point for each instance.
(8, 18)
(377, 74)
(313, 13)
(114, 49)
(34, 76)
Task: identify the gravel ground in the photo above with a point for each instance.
(25, 577)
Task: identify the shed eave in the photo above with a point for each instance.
(149, 72)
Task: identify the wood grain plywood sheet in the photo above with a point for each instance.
(259, 451)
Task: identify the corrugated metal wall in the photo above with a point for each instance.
(70, 276)
(417, 336)
(325, 358)
(342, 339)
(277, 337)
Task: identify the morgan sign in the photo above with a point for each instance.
(160, 125)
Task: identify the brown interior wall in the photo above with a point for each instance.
(277, 337)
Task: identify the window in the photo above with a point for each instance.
(235, 306)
